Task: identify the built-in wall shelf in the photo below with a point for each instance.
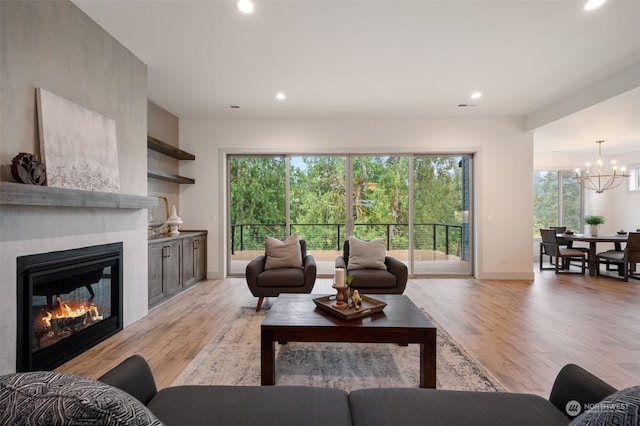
(174, 152)
(19, 194)
(169, 177)
(170, 150)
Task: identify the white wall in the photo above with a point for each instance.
(503, 170)
(621, 207)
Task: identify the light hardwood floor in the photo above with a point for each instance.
(522, 332)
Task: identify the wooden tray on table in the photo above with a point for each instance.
(369, 306)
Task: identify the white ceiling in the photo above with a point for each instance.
(616, 121)
(385, 58)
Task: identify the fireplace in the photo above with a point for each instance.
(68, 301)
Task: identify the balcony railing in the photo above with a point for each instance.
(443, 237)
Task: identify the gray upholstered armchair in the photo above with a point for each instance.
(271, 282)
(391, 280)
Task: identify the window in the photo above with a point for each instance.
(634, 179)
(557, 200)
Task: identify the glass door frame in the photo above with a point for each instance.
(349, 221)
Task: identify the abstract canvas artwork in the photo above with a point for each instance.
(78, 146)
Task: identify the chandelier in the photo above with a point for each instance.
(601, 182)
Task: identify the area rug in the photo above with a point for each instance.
(232, 357)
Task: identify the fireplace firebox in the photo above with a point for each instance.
(68, 301)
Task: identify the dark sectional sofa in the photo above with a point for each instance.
(26, 394)
(291, 405)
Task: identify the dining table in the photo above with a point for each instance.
(593, 240)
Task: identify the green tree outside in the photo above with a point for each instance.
(317, 199)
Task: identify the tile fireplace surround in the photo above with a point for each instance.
(68, 219)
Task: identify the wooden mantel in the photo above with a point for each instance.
(18, 194)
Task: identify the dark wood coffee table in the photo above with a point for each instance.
(295, 318)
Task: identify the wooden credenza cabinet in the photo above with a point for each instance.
(175, 263)
(194, 259)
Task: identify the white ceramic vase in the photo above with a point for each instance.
(173, 221)
(593, 230)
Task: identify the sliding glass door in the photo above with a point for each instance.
(419, 204)
(380, 201)
(441, 209)
(257, 206)
(318, 208)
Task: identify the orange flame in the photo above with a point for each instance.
(71, 310)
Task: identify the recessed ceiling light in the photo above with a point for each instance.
(476, 95)
(281, 96)
(593, 4)
(245, 6)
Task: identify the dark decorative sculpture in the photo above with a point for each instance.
(25, 168)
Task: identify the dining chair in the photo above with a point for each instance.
(560, 230)
(626, 259)
(549, 246)
(550, 253)
(562, 242)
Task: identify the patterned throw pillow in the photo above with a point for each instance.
(283, 254)
(366, 254)
(621, 408)
(49, 398)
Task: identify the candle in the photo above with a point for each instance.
(338, 277)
